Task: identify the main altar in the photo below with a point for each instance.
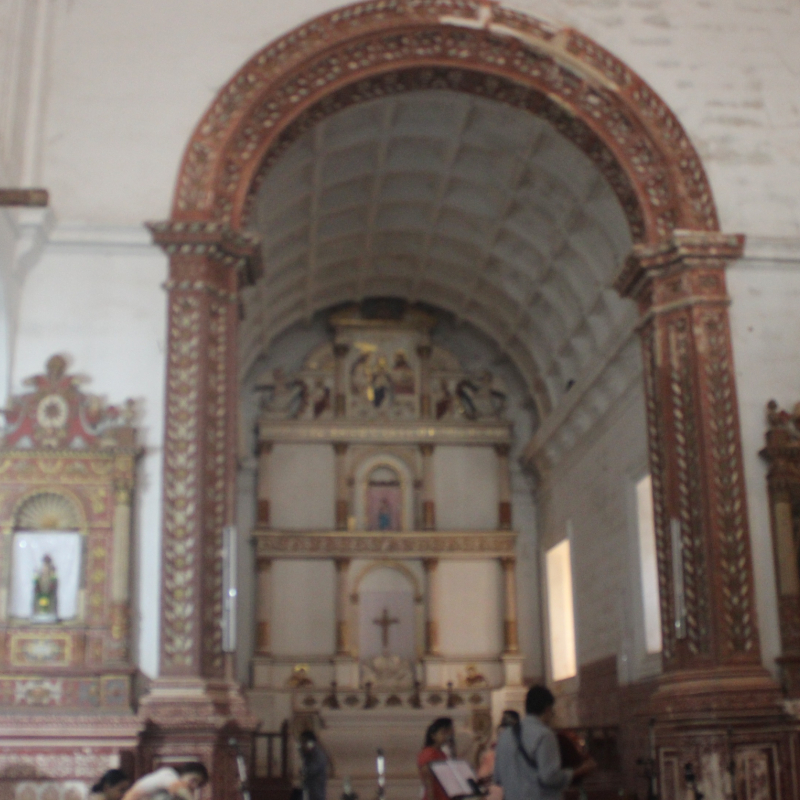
(384, 546)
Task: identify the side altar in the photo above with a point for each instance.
(384, 549)
(67, 477)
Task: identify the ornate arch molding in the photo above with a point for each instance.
(387, 46)
(676, 273)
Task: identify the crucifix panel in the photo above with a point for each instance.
(386, 625)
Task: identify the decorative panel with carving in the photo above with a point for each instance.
(67, 474)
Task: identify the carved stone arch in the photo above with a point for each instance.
(377, 48)
(675, 273)
(406, 474)
(51, 508)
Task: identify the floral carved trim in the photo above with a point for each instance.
(327, 545)
(729, 490)
(215, 516)
(657, 440)
(182, 495)
(689, 487)
(643, 141)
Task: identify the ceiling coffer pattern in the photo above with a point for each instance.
(456, 200)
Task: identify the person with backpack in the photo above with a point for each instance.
(527, 760)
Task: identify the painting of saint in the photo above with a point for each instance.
(384, 500)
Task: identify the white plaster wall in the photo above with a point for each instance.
(129, 81)
(589, 493)
(302, 486)
(97, 298)
(303, 619)
(465, 487)
(765, 292)
(471, 611)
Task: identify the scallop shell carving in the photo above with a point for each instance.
(47, 511)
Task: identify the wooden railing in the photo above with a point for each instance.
(269, 779)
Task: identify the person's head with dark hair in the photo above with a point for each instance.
(439, 732)
(194, 773)
(112, 785)
(510, 718)
(308, 741)
(539, 701)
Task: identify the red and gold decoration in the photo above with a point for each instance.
(67, 477)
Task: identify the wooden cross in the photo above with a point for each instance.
(384, 621)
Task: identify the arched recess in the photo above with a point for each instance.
(372, 49)
(406, 479)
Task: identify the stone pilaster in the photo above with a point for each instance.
(340, 351)
(431, 566)
(425, 405)
(192, 700)
(713, 681)
(782, 453)
(427, 490)
(263, 494)
(263, 642)
(342, 488)
(705, 570)
(510, 636)
(503, 487)
(342, 598)
(120, 570)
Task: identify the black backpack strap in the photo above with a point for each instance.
(531, 761)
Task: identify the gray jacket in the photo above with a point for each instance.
(520, 780)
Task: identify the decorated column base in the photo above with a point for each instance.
(345, 669)
(512, 669)
(722, 731)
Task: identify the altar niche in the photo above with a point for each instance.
(387, 626)
(67, 468)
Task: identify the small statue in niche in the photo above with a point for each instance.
(479, 398)
(381, 388)
(384, 515)
(283, 396)
(45, 592)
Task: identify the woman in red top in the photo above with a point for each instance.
(437, 737)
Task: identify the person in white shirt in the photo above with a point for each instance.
(181, 781)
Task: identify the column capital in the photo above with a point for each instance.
(263, 563)
(185, 241)
(424, 351)
(684, 250)
(342, 564)
(430, 564)
(426, 449)
(264, 448)
(508, 562)
(340, 448)
(340, 349)
(502, 450)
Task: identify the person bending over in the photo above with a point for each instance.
(181, 781)
(112, 786)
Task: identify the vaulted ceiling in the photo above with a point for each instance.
(455, 200)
